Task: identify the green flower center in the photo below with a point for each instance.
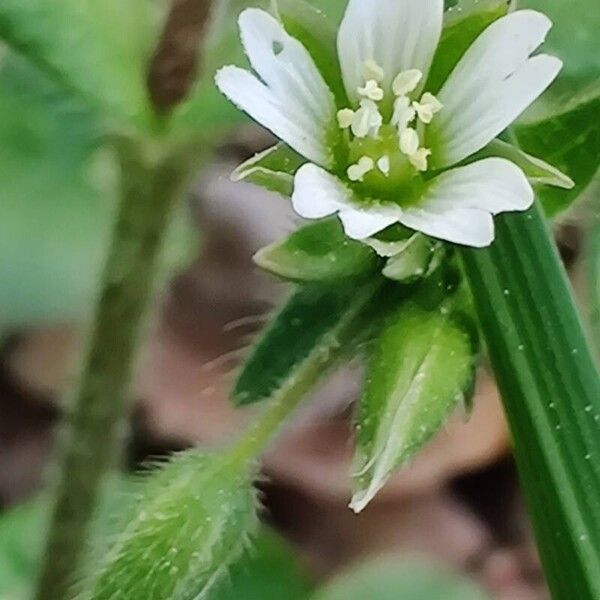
(386, 160)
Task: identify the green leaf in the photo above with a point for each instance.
(422, 366)
(574, 37)
(416, 259)
(316, 328)
(537, 171)
(272, 169)
(551, 392)
(463, 23)
(399, 578)
(571, 142)
(319, 36)
(99, 50)
(189, 524)
(269, 571)
(319, 252)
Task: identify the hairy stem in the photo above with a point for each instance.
(96, 414)
(340, 343)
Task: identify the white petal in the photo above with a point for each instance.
(462, 226)
(362, 224)
(494, 82)
(318, 194)
(397, 34)
(458, 205)
(495, 185)
(294, 101)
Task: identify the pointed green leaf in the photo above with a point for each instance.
(272, 169)
(537, 171)
(319, 36)
(463, 23)
(418, 257)
(99, 50)
(318, 252)
(316, 328)
(571, 142)
(422, 366)
(189, 524)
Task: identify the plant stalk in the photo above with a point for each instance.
(95, 417)
(551, 392)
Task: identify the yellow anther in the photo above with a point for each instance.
(371, 90)
(407, 82)
(419, 159)
(360, 169)
(367, 120)
(427, 107)
(345, 117)
(404, 113)
(409, 141)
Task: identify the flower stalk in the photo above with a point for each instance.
(96, 414)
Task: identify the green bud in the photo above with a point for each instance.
(190, 521)
(422, 366)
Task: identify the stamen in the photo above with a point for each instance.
(407, 82)
(371, 70)
(427, 107)
(409, 141)
(371, 90)
(360, 169)
(383, 164)
(419, 159)
(367, 120)
(345, 117)
(404, 113)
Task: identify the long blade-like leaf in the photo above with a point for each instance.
(551, 391)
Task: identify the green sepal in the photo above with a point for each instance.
(537, 171)
(190, 521)
(272, 169)
(318, 34)
(569, 140)
(317, 327)
(463, 23)
(417, 259)
(319, 252)
(422, 366)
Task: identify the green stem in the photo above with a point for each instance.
(338, 344)
(592, 267)
(551, 392)
(95, 417)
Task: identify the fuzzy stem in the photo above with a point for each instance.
(96, 416)
(350, 331)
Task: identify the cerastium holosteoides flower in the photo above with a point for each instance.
(394, 153)
(393, 140)
(389, 144)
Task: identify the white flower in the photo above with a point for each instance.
(401, 144)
